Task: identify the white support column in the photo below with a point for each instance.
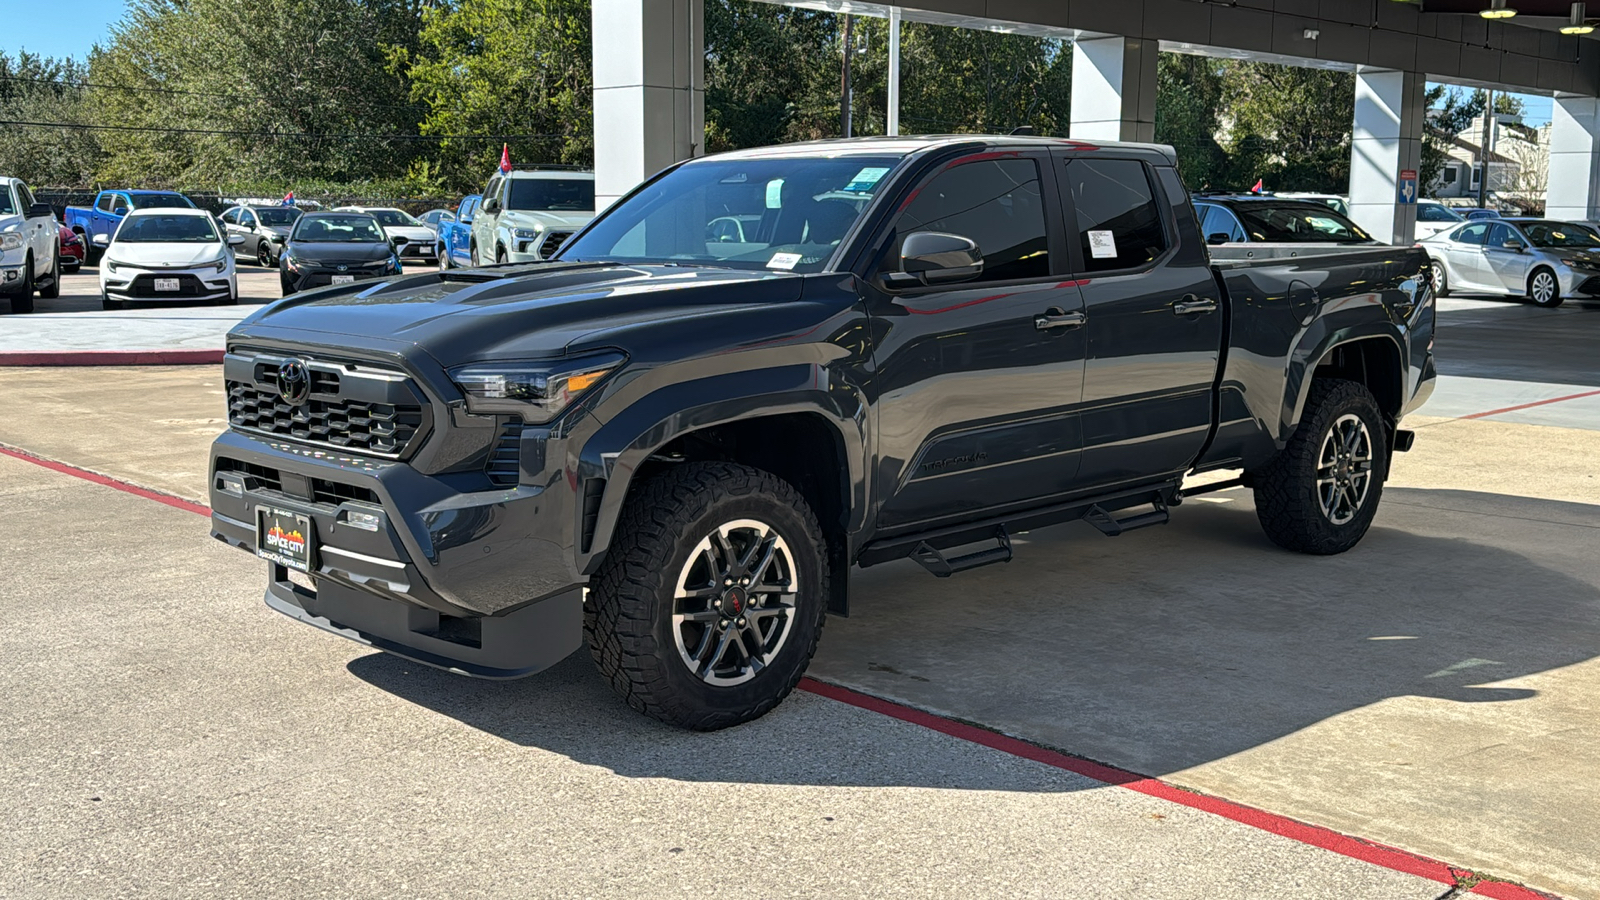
(1386, 141)
(1573, 191)
(649, 90)
(1114, 89)
(892, 126)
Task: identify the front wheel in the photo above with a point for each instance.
(264, 256)
(1441, 284)
(443, 256)
(1543, 288)
(710, 602)
(1319, 494)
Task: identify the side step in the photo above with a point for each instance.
(942, 566)
(1111, 527)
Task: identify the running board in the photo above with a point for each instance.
(941, 566)
(1111, 527)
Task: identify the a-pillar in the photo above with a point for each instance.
(1573, 191)
(649, 90)
(1114, 89)
(1385, 143)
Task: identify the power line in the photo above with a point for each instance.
(285, 134)
(58, 82)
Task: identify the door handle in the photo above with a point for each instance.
(1055, 318)
(1191, 304)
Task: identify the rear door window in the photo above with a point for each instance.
(998, 204)
(1119, 221)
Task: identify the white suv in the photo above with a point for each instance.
(30, 247)
(527, 214)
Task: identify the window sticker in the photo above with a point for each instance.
(866, 179)
(1102, 245)
(775, 194)
(783, 261)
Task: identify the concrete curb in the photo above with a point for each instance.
(109, 357)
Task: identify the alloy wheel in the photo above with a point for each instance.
(733, 602)
(1344, 469)
(264, 255)
(1543, 289)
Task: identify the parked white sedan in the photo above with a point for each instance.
(1543, 260)
(168, 254)
(412, 238)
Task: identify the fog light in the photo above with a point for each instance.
(231, 484)
(363, 520)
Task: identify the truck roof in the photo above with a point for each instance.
(901, 145)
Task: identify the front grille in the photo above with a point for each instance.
(144, 286)
(552, 242)
(505, 460)
(256, 477)
(1590, 285)
(323, 491)
(373, 427)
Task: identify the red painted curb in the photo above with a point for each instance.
(109, 357)
(108, 481)
(1392, 858)
(1496, 412)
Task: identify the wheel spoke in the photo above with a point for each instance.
(703, 615)
(769, 552)
(710, 662)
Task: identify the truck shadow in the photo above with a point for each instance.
(1157, 651)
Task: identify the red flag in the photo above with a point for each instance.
(1257, 188)
(288, 199)
(505, 157)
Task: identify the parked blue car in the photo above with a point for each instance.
(455, 235)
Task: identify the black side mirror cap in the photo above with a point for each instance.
(933, 257)
(1218, 237)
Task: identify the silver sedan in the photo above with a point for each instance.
(1543, 260)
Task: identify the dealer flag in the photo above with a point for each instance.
(288, 199)
(505, 157)
(1257, 188)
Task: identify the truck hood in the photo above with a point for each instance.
(552, 221)
(521, 312)
(10, 223)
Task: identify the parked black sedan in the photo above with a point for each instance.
(335, 248)
(264, 228)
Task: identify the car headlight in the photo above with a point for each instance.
(536, 391)
(111, 265)
(1580, 264)
(528, 234)
(11, 240)
(291, 263)
(393, 265)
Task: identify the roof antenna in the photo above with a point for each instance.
(1023, 129)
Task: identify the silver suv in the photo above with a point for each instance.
(527, 214)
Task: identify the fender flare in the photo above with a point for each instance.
(623, 443)
(1314, 347)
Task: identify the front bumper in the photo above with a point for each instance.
(477, 581)
(304, 278)
(138, 285)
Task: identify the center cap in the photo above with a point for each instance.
(734, 601)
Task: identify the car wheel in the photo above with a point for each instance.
(22, 294)
(264, 256)
(1543, 288)
(712, 596)
(107, 303)
(1319, 494)
(500, 256)
(91, 254)
(1441, 285)
(54, 290)
(443, 258)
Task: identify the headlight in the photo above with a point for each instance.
(291, 263)
(536, 391)
(1580, 264)
(111, 265)
(528, 234)
(11, 240)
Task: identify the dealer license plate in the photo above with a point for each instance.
(343, 279)
(284, 537)
(166, 284)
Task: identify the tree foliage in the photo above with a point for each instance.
(1289, 126)
(44, 89)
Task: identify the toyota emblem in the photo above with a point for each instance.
(294, 382)
(343, 268)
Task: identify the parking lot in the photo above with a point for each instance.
(1434, 690)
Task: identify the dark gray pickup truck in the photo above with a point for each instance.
(762, 368)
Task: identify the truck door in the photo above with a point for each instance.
(1154, 326)
(977, 383)
(483, 222)
(459, 231)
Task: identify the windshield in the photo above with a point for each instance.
(1437, 212)
(393, 218)
(277, 215)
(786, 214)
(7, 205)
(563, 194)
(168, 229)
(1297, 224)
(337, 230)
(160, 201)
(1567, 235)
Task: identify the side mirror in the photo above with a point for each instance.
(276, 238)
(101, 240)
(1515, 246)
(1218, 237)
(932, 257)
(120, 211)
(397, 242)
(41, 211)
(235, 240)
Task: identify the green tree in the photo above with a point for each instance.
(489, 70)
(1288, 125)
(1449, 112)
(771, 74)
(44, 89)
(1188, 97)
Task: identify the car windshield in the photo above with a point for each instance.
(558, 194)
(337, 230)
(160, 201)
(1437, 212)
(277, 215)
(168, 229)
(1562, 235)
(393, 218)
(787, 214)
(1299, 223)
(7, 205)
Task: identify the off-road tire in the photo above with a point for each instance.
(54, 289)
(627, 617)
(1286, 497)
(22, 294)
(1535, 290)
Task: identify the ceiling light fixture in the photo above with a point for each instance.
(1576, 24)
(1497, 10)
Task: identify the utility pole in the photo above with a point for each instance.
(1483, 151)
(844, 86)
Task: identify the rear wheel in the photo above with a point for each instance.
(1319, 494)
(1543, 288)
(710, 601)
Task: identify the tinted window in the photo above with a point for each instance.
(1119, 224)
(246, 218)
(1433, 212)
(392, 218)
(565, 194)
(996, 203)
(161, 201)
(1297, 223)
(1471, 234)
(350, 229)
(25, 197)
(231, 217)
(166, 229)
(107, 202)
(278, 215)
(8, 207)
(1216, 220)
(1561, 235)
(1499, 234)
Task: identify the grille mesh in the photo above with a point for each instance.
(552, 242)
(375, 427)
